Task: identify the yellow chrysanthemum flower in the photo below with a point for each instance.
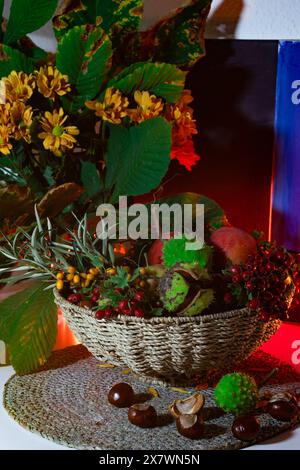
(113, 108)
(21, 120)
(5, 114)
(149, 106)
(51, 82)
(56, 137)
(18, 86)
(5, 145)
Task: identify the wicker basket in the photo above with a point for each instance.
(170, 349)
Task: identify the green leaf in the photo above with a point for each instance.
(84, 55)
(123, 15)
(179, 39)
(28, 325)
(138, 158)
(49, 175)
(12, 59)
(1, 8)
(27, 16)
(116, 17)
(214, 215)
(90, 178)
(164, 80)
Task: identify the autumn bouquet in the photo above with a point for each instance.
(101, 117)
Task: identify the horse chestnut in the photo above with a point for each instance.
(282, 410)
(121, 395)
(190, 426)
(142, 415)
(245, 428)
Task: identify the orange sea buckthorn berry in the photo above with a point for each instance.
(70, 277)
(59, 276)
(59, 285)
(142, 283)
(83, 275)
(129, 276)
(111, 271)
(90, 277)
(76, 279)
(71, 270)
(94, 271)
(143, 271)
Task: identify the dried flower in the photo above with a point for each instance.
(149, 106)
(181, 116)
(57, 137)
(18, 86)
(112, 109)
(51, 82)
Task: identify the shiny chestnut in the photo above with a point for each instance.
(282, 410)
(121, 395)
(142, 415)
(245, 428)
(190, 426)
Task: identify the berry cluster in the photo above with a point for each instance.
(126, 307)
(266, 282)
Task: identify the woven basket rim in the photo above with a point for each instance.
(242, 312)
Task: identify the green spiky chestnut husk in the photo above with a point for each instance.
(202, 302)
(174, 252)
(173, 290)
(236, 393)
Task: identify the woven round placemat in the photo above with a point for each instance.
(66, 402)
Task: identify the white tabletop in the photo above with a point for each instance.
(14, 437)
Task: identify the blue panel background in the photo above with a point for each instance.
(286, 195)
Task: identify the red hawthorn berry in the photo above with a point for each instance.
(236, 278)
(235, 269)
(96, 291)
(138, 312)
(228, 298)
(123, 305)
(138, 296)
(264, 316)
(249, 285)
(95, 298)
(74, 298)
(100, 314)
(253, 304)
(108, 312)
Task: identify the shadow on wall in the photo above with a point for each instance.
(220, 24)
(234, 91)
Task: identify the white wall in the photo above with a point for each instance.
(240, 19)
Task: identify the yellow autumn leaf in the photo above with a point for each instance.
(106, 366)
(153, 392)
(179, 390)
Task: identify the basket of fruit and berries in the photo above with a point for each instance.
(193, 312)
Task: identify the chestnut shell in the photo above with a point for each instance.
(121, 395)
(190, 426)
(142, 415)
